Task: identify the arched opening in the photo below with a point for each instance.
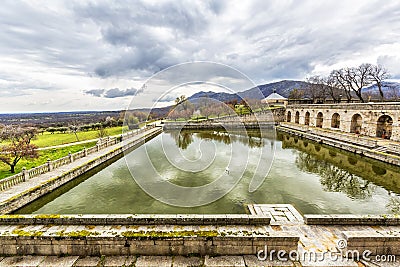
(384, 127)
(307, 118)
(297, 117)
(335, 123)
(356, 123)
(289, 116)
(320, 120)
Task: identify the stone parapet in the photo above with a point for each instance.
(351, 219)
(137, 219)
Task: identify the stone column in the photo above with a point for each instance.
(25, 174)
(49, 165)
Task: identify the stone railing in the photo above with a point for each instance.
(50, 165)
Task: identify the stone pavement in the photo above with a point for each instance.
(172, 261)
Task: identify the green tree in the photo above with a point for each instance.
(132, 122)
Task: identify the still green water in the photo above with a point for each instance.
(312, 177)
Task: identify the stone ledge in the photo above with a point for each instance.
(377, 242)
(137, 219)
(96, 245)
(351, 219)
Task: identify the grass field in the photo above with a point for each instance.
(51, 154)
(48, 139)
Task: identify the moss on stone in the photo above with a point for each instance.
(47, 216)
(21, 232)
(81, 233)
(161, 234)
(11, 216)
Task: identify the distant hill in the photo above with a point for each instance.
(282, 87)
(389, 89)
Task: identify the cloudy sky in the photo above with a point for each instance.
(96, 55)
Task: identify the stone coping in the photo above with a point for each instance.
(351, 219)
(379, 242)
(137, 219)
(185, 245)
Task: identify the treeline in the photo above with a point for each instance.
(347, 84)
(206, 107)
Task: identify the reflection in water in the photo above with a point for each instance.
(335, 179)
(182, 138)
(314, 178)
(394, 204)
(252, 138)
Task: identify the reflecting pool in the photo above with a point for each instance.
(314, 178)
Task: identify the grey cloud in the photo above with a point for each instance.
(267, 40)
(112, 93)
(95, 92)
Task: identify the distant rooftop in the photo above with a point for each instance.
(275, 96)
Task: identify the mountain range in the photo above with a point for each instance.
(390, 89)
(282, 87)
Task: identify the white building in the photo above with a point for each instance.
(275, 99)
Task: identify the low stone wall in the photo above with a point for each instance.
(351, 219)
(383, 243)
(216, 125)
(197, 244)
(34, 193)
(137, 219)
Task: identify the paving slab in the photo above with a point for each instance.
(328, 262)
(114, 261)
(180, 261)
(374, 263)
(26, 261)
(56, 261)
(253, 261)
(88, 262)
(130, 260)
(224, 261)
(153, 261)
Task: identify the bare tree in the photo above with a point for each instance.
(18, 145)
(102, 132)
(316, 88)
(377, 74)
(339, 81)
(296, 93)
(183, 108)
(75, 128)
(332, 88)
(358, 78)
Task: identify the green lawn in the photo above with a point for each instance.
(48, 139)
(51, 154)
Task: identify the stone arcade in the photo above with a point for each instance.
(369, 119)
